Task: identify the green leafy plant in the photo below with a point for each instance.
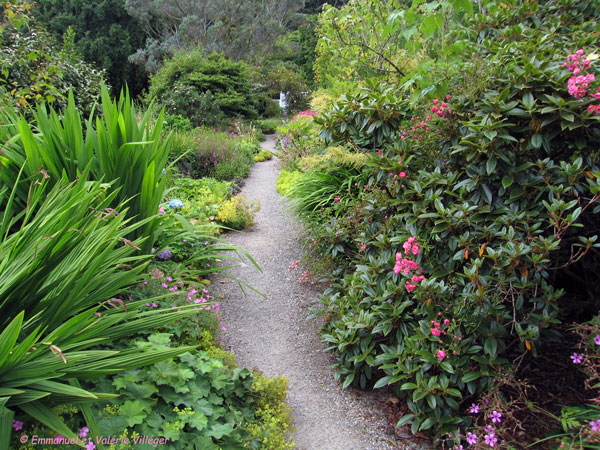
(115, 147)
(70, 246)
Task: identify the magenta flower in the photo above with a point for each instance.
(441, 354)
(410, 287)
(577, 358)
(496, 417)
(491, 439)
(336, 199)
(595, 424)
(474, 409)
(17, 425)
(436, 331)
(84, 432)
(90, 446)
(597, 339)
(471, 439)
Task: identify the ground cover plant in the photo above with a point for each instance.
(466, 245)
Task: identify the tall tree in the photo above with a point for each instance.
(105, 34)
(240, 29)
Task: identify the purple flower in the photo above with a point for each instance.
(595, 424)
(491, 439)
(84, 432)
(496, 417)
(17, 425)
(471, 439)
(577, 358)
(165, 255)
(597, 339)
(90, 446)
(458, 447)
(474, 409)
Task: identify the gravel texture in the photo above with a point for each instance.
(271, 333)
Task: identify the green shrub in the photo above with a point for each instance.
(286, 180)
(36, 72)
(268, 126)
(472, 226)
(237, 213)
(177, 122)
(297, 138)
(207, 90)
(267, 107)
(368, 119)
(263, 155)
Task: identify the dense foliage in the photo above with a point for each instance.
(114, 147)
(471, 233)
(204, 89)
(241, 30)
(33, 71)
(104, 34)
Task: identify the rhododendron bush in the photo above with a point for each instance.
(478, 224)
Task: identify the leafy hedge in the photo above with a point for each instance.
(475, 233)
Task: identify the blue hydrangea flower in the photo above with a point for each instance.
(175, 204)
(165, 255)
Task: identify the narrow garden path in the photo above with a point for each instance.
(272, 335)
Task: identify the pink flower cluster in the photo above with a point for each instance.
(416, 130)
(579, 83)
(574, 60)
(405, 265)
(441, 109)
(198, 295)
(307, 112)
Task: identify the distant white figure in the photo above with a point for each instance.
(282, 101)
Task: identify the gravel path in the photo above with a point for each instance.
(272, 335)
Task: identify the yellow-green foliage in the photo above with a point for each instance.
(286, 180)
(333, 157)
(263, 155)
(208, 344)
(274, 422)
(323, 99)
(237, 212)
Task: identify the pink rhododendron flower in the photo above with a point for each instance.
(441, 354)
(410, 287)
(436, 332)
(336, 199)
(417, 278)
